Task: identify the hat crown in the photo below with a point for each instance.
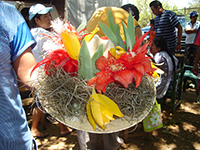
(38, 9)
(193, 13)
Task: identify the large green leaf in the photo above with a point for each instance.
(109, 33)
(111, 21)
(119, 38)
(131, 29)
(127, 37)
(82, 25)
(96, 56)
(85, 63)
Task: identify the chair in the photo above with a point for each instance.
(176, 90)
(188, 75)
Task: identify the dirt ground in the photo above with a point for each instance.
(181, 131)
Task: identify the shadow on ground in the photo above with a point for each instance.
(181, 131)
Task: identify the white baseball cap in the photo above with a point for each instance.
(38, 9)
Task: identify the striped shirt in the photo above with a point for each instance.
(14, 40)
(165, 26)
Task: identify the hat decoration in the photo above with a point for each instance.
(96, 94)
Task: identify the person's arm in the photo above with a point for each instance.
(23, 65)
(195, 66)
(138, 32)
(189, 31)
(178, 45)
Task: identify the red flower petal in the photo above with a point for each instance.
(147, 65)
(103, 79)
(92, 82)
(138, 77)
(124, 77)
(139, 42)
(139, 67)
(101, 63)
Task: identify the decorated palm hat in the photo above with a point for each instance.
(86, 90)
(38, 9)
(193, 13)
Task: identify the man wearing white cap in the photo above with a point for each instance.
(191, 30)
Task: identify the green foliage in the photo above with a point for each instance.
(131, 30)
(96, 55)
(85, 63)
(87, 66)
(113, 32)
(109, 33)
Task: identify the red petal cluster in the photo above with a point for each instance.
(56, 59)
(130, 67)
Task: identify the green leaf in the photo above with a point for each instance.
(85, 63)
(96, 56)
(119, 38)
(109, 33)
(111, 21)
(82, 25)
(127, 37)
(131, 29)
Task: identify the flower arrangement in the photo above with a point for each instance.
(83, 91)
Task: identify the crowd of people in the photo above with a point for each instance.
(19, 54)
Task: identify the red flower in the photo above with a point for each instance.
(123, 70)
(58, 58)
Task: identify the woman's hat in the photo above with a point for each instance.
(38, 9)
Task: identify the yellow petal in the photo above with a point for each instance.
(91, 35)
(89, 114)
(105, 119)
(71, 43)
(113, 105)
(105, 108)
(155, 76)
(96, 111)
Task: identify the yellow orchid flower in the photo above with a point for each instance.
(71, 43)
(117, 51)
(100, 110)
(156, 72)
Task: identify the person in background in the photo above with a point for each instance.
(196, 62)
(165, 23)
(17, 61)
(119, 14)
(191, 30)
(40, 22)
(161, 55)
(130, 8)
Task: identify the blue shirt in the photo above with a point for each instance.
(164, 25)
(14, 40)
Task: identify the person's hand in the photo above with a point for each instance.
(195, 69)
(178, 47)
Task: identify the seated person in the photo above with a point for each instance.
(161, 55)
(119, 14)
